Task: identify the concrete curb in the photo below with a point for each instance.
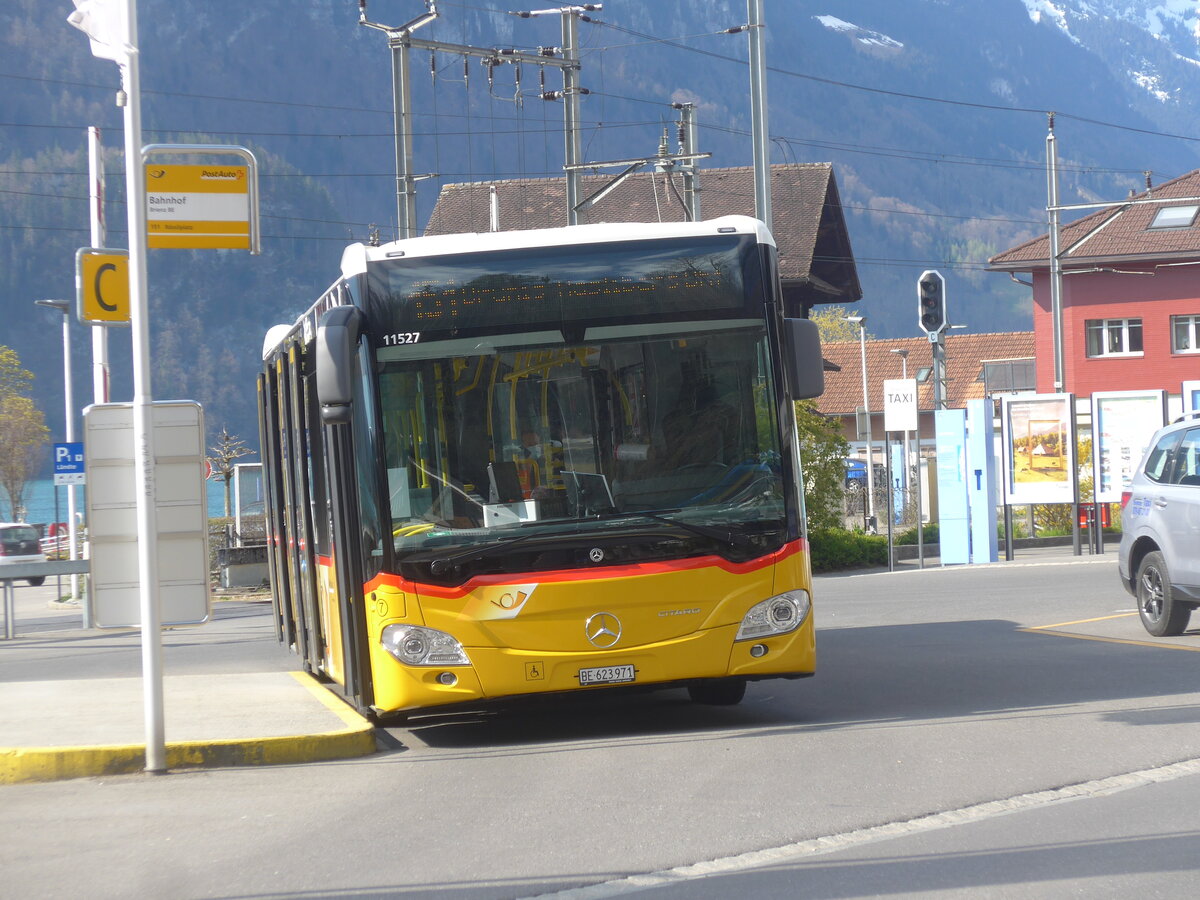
(34, 764)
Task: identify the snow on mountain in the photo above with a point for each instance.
(1156, 43)
(1163, 19)
(1045, 11)
(864, 37)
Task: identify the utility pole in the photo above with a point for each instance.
(687, 166)
(664, 161)
(758, 112)
(570, 75)
(401, 41)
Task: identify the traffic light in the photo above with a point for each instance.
(931, 302)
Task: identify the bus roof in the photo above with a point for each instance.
(356, 256)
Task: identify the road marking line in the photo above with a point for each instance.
(1123, 615)
(1109, 640)
(802, 850)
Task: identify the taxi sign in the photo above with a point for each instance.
(198, 207)
(102, 286)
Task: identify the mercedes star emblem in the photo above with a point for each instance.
(603, 630)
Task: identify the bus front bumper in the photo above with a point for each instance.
(505, 672)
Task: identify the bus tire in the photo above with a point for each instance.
(718, 691)
(36, 582)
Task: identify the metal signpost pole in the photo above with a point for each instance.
(99, 236)
(64, 307)
(891, 538)
(96, 199)
(69, 404)
(143, 433)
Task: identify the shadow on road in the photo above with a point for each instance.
(888, 674)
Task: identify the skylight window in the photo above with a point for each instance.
(1175, 216)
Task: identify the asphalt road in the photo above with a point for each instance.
(986, 732)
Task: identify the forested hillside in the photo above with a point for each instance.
(933, 113)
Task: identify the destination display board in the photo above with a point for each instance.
(514, 289)
(197, 207)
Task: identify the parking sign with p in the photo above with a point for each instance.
(69, 464)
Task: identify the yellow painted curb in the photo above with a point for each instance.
(31, 764)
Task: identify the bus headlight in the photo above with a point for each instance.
(778, 615)
(417, 646)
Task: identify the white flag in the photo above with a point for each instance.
(103, 21)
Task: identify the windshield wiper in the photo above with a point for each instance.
(443, 564)
(725, 536)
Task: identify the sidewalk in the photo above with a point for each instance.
(71, 700)
(1049, 553)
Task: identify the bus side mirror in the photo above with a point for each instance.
(805, 369)
(337, 336)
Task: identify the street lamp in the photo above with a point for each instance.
(69, 403)
(861, 322)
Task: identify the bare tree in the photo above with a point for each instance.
(228, 449)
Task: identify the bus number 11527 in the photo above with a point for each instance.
(402, 337)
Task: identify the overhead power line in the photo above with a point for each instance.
(833, 82)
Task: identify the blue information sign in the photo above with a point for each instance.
(68, 463)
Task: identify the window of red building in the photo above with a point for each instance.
(1114, 337)
(1185, 334)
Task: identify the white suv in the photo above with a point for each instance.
(20, 543)
(1159, 559)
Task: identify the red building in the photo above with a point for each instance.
(1130, 293)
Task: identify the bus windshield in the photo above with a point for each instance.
(527, 437)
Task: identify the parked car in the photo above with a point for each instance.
(21, 543)
(1159, 558)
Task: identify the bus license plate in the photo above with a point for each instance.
(606, 675)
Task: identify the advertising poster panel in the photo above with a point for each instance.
(1191, 395)
(1039, 448)
(1122, 424)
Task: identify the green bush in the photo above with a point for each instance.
(835, 548)
(930, 535)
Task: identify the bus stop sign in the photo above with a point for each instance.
(102, 286)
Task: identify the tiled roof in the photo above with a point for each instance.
(965, 354)
(809, 228)
(1119, 234)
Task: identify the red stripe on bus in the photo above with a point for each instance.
(591, 574)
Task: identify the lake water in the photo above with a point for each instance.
(40, 498)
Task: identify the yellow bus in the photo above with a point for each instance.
(540, 461)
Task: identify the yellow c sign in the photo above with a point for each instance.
(102, 282)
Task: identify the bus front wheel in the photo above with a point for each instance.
(718, 691)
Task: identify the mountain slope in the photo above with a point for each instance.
(932, 111)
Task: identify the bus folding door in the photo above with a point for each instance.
(268, 439)
(301, 509)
